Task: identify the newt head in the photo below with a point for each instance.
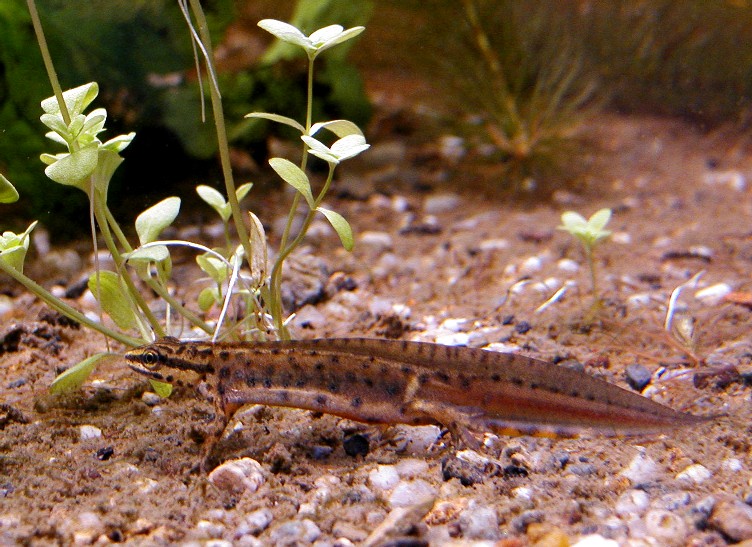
(168, 353)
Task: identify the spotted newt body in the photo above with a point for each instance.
(399, 382)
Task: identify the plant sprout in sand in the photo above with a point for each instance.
(589, 232)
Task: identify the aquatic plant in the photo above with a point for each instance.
(589, 233)
(87, 163)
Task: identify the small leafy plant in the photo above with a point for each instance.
(235, 272)
(589, 233)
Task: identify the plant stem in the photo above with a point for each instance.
(275, 281)
(47, 58)
(219, 124)
(65, 309)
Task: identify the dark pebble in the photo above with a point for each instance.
(719, 378)
(356, 445)
(562, 458)
(17, 383)
(582, 469)
(467, 473)
(522, 327)
(520, 523)
(6, 490)
(321, 452)
(638, 377)
(507, 320)
(105, 453)
(515, 471)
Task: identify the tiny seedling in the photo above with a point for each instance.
(589, 232)
(236, 272)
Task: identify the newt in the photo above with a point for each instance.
(401, 382)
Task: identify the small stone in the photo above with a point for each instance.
(441, 203)
(384, 477)
(452, 148)
(714, 294)
(732, 518)
(642, 470)
(254, 523)
(416, 439)
(295, 532)
(479, 522)
(150, 398)
(209, 530)
(455, 324)
(531, 265)
(666, 527)
(638, 376)
(568, 265)
(379, 241)
(595, 540)
(244, 475)
(632, 502)
(732, 178)
(453, 339)
(696, 473)
(491, 245)
(87, 432)
(408, 493)
(639, 300)
(346, 530)
(411, 468)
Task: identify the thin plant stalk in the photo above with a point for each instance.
(219, 124)
(275, 281)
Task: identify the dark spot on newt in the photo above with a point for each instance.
(443, 376)
(392, 389)
(333, 387)
(205, 352)
(250, 380)
(301, 381)
(267, 383)
(356, 402)
(275, 351)
(406, 370)
(496, 377)
(365, 365)
(179, 350)
(350, 377)
(319, 366)
(224, 355)
(224, 372)
(534, 385)
(334, 359)
(283, 396)
(321, 400)
(423, 378)
(368, 382)
(464, 381)
(519, 382)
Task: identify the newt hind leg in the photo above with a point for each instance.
(461, 422)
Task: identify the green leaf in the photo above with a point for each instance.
(153, 253)
(13, 247)
(215, 200)
(162, 389)
(73, 169)
(341, 128)
(119, 143)
(207, 298)
(75, 376)
(107, 164)
(341, 226)
(156, 218)
(277, 118)
(8, 193)
(243, 190)
(218, 270)
(113, 298)
(76, 100)
(294, 176)
(285, 32)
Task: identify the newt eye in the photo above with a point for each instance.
(150, 358)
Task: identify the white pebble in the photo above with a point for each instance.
(88, 300)
(411, 468)
(666, 527)
(238, 476)
(714, 294)
(642, 470)
(380, 241)
(568, 265)
(418, 439)
(623, 238)
(384, 477)
(295, 532)
(209, 530)
(411, 492)
(479, 523)
(455, 324)
(452, 148)
(441, 203)
(732, 178)
(86, 432)
(595, 540)
(150, 398)
(632, 502)
(58, 291)
(489, 245)
(255, 522)
(733, 464)
(531, 264)
(400, 204)
(453, 339)
(696, 473)
(6, 305)
(638, 300)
